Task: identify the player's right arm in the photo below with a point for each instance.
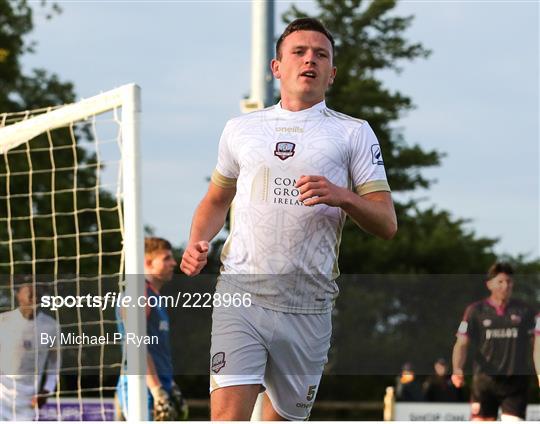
(208, 220)
(459, 357)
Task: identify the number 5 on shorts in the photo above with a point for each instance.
(312, 390)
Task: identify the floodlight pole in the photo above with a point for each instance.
(262, 52)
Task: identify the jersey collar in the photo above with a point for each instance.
(500, 310)
(319, 107)
(151, 287)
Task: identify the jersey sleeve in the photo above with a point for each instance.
(467, 326)
(367, 167)
(227, 168)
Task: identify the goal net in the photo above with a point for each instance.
(70, 232)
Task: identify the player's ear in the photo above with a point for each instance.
(274, 66)
(148, 260)
(332, 75)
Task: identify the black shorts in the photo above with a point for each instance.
(490, 392)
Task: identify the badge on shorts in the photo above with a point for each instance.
(284, 150)
(218, 362)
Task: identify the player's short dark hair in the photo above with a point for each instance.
(499, 267)
(155, 244)
(40, 283)
(21, 280)
(303, 24)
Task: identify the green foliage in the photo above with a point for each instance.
(39, 205)
(402, 299)
(23, 195)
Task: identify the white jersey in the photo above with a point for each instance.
(283, 252)
(24, 360)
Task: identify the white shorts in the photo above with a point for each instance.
(284, 352)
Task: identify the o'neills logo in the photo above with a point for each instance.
(218, 362)
(284, 149)
(289, 130)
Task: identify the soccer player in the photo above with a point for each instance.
(499, 329)
(28, 367)
(295, 170)
(165, 401)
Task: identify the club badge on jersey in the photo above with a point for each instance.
(284, 150)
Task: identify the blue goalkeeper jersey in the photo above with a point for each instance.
(157, 324)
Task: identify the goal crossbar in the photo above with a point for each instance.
(21, 132)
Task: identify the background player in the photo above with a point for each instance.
(290, 168)
(438, 387)
(165, 401)
(499, 329)
(28, 368)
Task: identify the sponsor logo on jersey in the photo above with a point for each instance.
(285, 192)
(463, 327)
(289, 130)
(486, 322)
(284, 149)
(516, 319)
(163, 325)
(502, 333)
(376, 155)
(218, 362)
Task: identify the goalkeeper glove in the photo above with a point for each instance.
(180, 404)
(40, 399)
(164, 409)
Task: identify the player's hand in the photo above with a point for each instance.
(40, 399)
(179, 402)
(194, 258)
(164, 409)
(458, 380)
(315, 189)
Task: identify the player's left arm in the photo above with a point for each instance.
(373, 212)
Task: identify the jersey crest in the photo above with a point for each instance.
(284, 150)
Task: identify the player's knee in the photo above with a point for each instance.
(220, 411)
(233, 403)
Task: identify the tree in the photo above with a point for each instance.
(23, 196)
(390, 315)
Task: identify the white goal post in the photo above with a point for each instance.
(17, 134)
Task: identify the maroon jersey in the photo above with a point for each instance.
(501, 336)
